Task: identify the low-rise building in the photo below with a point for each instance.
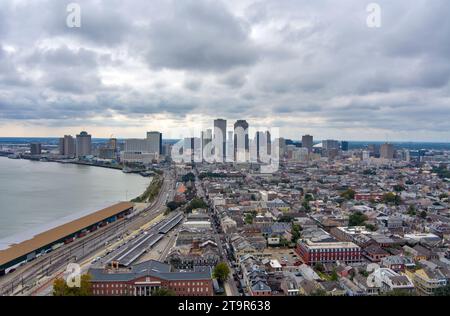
(428, 280)
(312, 252)
(143, 278)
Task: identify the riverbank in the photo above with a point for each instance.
(37, 195)
(151, 192)
(142, 172)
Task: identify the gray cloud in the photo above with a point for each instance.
(311, 61)
(199, 35)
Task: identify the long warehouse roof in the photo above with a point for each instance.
(54, 234)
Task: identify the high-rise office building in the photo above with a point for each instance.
(155, 139)
(206, 139)
(330, 144)
(61, 146)
(344, 146)
(241, 141)
(282, 145)
(374, 150)
(83, 145)
(35, 148)
(387, 151)
(307, 142)
(263, 145)
(67, 146)
(330, 148)
(230, 147)
(143, 150)
(220, 142)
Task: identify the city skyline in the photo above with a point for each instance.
(303, 67)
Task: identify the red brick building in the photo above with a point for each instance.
(143, 278)
(313, 252)
(368, 196)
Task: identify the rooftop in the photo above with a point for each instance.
(41, 240)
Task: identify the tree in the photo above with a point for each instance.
(286, 218)
(357, 219)
(334, 276)
(399, 188)
(306, 206)
(172, 205)
(423, 214)
(442, 291)
(371, 227)
(60, 287)
(392, 198)
(188, 177)
(248, 219)
(221, 271)
(296, 232)
(348, 194)
(196, 203)
(163, 292)
(319, 267)
(412, 210)
(319, 292)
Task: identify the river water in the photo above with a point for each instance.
(36, 196)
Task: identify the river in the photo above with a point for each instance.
(36, 196)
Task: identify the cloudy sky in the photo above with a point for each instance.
(301, 65)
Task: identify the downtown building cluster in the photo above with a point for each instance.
(334, 220)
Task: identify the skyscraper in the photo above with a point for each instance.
(144, 150)
(330, 144)
(67, 146)
(344, 146)
(206, 139)
(155, 139)
(83, 144)
(307, 142)
(230, 147)
(35, 148)
(241, 141)
(263, 146)
(387, 151)
(220, 139)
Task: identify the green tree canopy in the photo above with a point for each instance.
(196, 203)
(163, 292)
(60, 287)
(442, 291)
(348, 194)
(221, 271)
(357, 219)
(392, 198)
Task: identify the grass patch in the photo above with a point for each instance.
(151, 192)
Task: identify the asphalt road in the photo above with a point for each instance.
(230, 285)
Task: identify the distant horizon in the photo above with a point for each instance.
(293, 139)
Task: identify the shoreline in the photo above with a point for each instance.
(29, 233)
(82, 163)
